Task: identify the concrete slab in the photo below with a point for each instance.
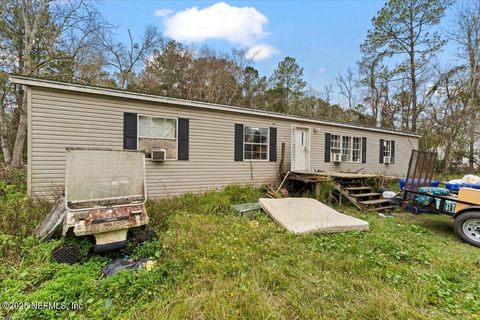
(306, 215)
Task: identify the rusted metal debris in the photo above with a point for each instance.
(107, 219)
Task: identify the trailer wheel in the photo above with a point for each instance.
(65, 254)
(467, 227)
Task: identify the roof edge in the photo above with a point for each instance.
(31, 81)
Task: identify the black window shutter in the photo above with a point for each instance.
(328, 138)
(273, 144)
(129, 131)
(364, 150)
(183, 139)
(393, 151)
(382, 149)
(238, 142)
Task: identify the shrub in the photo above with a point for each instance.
(20, 213)
(326, 188)
(17, 177)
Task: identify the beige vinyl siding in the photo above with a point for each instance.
(61, 118)
(403, 148)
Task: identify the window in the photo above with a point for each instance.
(387, 148)
(349, 147)
(255, 143)
(357, 149)
(335, 143)
(346, 149)
(155, 127)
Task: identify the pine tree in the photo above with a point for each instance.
(403, 28)
(287, 85)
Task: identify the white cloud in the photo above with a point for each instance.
(237, 25)
(321, 70)
(163, 13)
(260, 52)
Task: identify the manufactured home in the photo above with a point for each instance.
(194, 146)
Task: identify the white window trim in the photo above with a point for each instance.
(339, 143)
(351, 147)
(267, 143)
(349, 150)
(176, 134)
(360, 149)
(387, 143)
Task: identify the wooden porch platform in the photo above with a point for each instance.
(355, 187)
(312, 175)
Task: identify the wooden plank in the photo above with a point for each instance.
(282, 160)
(365, 195)
(383, 208)
(306, 178)
(283, 181)
(347, 196)
(350, 183)
(357, 188)
(376, 201)
(337, 174)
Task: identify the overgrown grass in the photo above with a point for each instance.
(210, 264)
(20, 214)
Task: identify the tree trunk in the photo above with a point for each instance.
(20, 141)
(373, 95)
(7, 155)
(472, 46)
(446, 157)
(28, 41)
(471, 152)
(21, 132)
(413, 90)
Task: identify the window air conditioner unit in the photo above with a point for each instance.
(344, 158)
(387, 160)
(158, 154)
(337, 157)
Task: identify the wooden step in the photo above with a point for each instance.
(365, 195)
(373, 202)
(350, 182)
(351, 185)
(384, 208)
(358, 188)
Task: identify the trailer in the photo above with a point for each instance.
(464, 208)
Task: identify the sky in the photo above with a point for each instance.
(323, 35)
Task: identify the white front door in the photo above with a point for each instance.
(300, 152)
